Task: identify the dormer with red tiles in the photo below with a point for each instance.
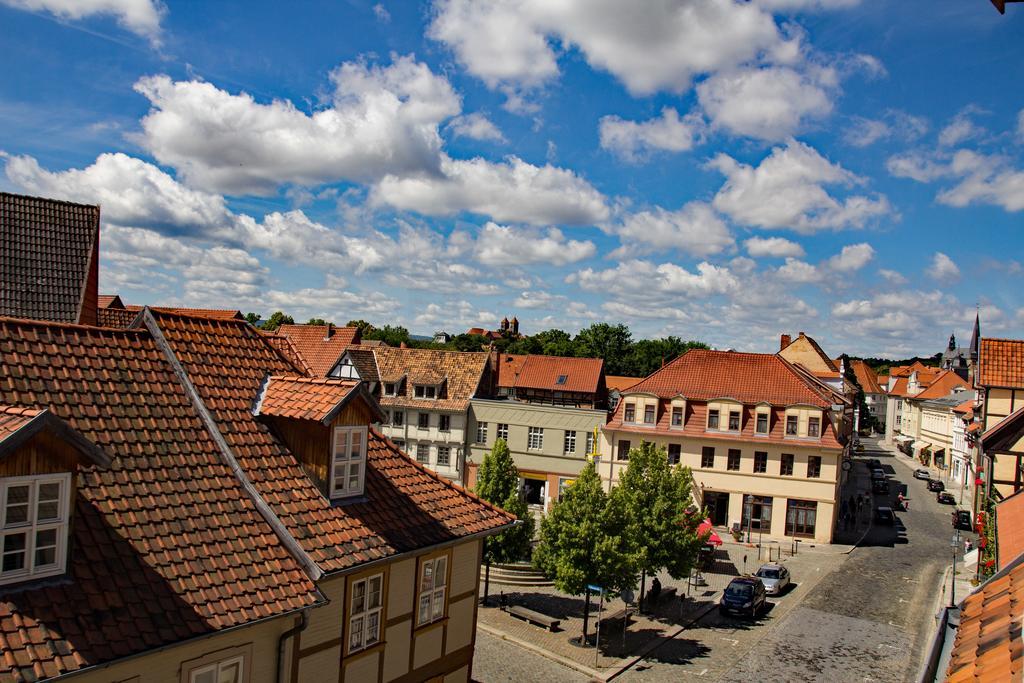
(325, 423)
(39, 459)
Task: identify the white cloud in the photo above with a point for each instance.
(666, 278)
(916, 166)
(141, 17)
(894, 124)
(852, 258)
(960, 129)
(381, 120)
(476, 126)
(799, 272)
(943, 268)
(772, 246)
(892, 277)
(499, 245)
(656, 45)
(985, 180)
(632, 140)
(787, 191)
(694, 229)
(382, 14)
(131, 193)
(769, 103)
(537, 299)
(1020, 125)
(512, 191)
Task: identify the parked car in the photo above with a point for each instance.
(775, 578)
(884, 515)
(936, 485)
(962, 520)
(875, 464)
(946, 498)
(877, 475)
(880, 486)
(743, 595)
(922, 474)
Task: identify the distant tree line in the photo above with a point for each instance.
(622, 354)
(882, 365)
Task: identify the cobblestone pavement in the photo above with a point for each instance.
(869, 620)
(498, 660)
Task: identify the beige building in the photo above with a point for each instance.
(218, 517)
(547, 409)
(1001, 383)
(928, 419)
(760, 436)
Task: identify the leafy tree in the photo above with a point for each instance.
(555, 343)
(610, 342)
(469, 342)
(648, 355)
(316, 321)
(364, 327)
(252, 318)
(581, 543)
(867, 420)
(392, 336)
(497, 482)
(276, 319)
(651, 499)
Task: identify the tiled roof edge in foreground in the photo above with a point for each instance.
(314, 571)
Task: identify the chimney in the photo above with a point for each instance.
(784, 341)
(403, 345)
(330, 331)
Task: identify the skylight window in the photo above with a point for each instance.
(561, 379)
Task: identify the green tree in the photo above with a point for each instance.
(316, 321)
(390, 335)
(555, 342)
(652, 499)
(469, 342)
(252, 318)
(610, 342)
(581, 543)
(276, 319)
(497, 482)
(867, 420)
(364, 327)
(648, 355)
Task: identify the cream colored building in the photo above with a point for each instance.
(1001, 381)
(760, 437)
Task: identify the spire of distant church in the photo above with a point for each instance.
(976, 336)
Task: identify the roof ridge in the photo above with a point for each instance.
(280, 530)
(821, 387)
(49, 199)
(34, 322)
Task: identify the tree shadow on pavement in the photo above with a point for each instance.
(677, 651)
(557, 606)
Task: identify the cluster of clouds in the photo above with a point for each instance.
(381, 132)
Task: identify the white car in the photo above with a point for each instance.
(922, 474)
(775, 578)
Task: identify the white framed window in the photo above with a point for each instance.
(349, 461)
(444, 456)
(423, 453)
(425, 391)
(570, 442)
(390, 389)
(502, 432)
(590, 442)
(364, 612)
(34, 513)
(230, 670)
(432, 589)
(535, 438)
(481, 432)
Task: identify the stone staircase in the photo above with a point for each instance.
(518, 574)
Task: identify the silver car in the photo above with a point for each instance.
(775, 578)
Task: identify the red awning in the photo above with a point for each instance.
(705, 528)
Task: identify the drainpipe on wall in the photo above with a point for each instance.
(290, 633)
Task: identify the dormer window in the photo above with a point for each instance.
(34, 526)
(814, 426)
(390, 389)
(677, 416)
(425, 391)
(348, 458)
(649, 414)
(791, 425)
(734, 420)
(713, 418)
(762, 423)
(629, 413)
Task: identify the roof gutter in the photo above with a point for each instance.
(312, 570)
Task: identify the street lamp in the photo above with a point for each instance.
(955, 543)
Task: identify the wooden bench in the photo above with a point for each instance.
(529, 615)
(615, 616)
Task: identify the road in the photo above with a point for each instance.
(499, 661)
(869, 620)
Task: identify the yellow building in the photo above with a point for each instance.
(1001, 382)
(759, 434)
(181, 504)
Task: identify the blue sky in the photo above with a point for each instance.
(715, 169)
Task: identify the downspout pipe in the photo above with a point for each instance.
(290, 633)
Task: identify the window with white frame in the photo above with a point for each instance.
(432, 589)
(390, 388)
(481, 432)
(570, 442)
(423, 453)
(425, 391)
(34, 525)
(502, 432)
(535, 438)
(444, 456)
(364, 612)
(590, 442)
(229, 670)
(349, 461)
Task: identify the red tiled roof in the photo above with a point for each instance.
(48, 258)
(121, 318)
(166, 544)
(581, 375)
(866, 377)
(988, 644)
(974, 427)
(899, 387)
(1004, 432)
(942, 385)
(320, 346)
(965, 408)
(219, 313)
(1010, 528)
(12, 419)
(109, 301)
(460, 370)
(303, 398)
(700, 374)
(284, 345)
(620, 382)
(1001, 363)
(407, 506)
(509, 367)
